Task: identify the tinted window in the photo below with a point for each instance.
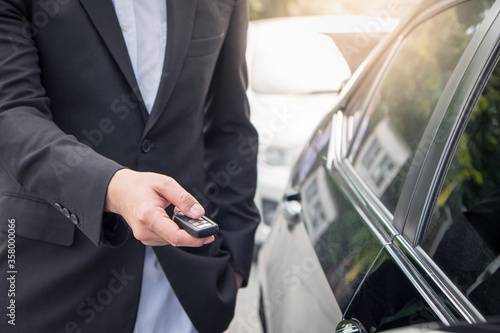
(399, 111)
(387, 299)
(464, 234)
(345, 246)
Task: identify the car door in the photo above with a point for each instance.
(453, 230)
(333, 253)
(395, 154)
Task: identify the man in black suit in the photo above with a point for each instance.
(87, 169)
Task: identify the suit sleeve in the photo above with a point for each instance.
(36, 153)
(231, 147)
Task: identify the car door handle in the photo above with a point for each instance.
(292, 208)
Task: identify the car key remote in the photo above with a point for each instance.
(199, 228)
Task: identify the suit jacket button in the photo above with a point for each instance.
(66, 212)
(58, 206)
(146, 146)
(74, 219)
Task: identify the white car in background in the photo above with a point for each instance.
(296, 72)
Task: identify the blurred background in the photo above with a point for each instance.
(300, 54)
(260, 9)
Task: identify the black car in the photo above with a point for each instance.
(392, 214)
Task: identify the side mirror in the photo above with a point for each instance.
(292, 209)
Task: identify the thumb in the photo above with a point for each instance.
(180, 198)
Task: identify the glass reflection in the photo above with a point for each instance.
(388, 137)
(387, 299)
(344, 244)
(464, 233)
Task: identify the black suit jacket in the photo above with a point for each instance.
(71, 115)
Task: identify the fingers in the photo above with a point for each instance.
(141, 198)
(161, 230)
(179, 197)
(175, 236)
(239, 279)
(153, 239)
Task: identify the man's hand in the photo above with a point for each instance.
(141, 198)
(239, 279)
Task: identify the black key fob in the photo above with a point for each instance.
(199, 228)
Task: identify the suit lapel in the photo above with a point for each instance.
(103, 16)
(180, 20)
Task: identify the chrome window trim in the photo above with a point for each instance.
(338, 152)
(472, 89)
(396, 251)
(343, 154)
(334, 147)
(352, 185)
(456, 132)
(459, 301)
(373, 204)
(377, 216)
(418, 213)
(399, 218)
(426, 291)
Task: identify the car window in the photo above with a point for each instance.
(463, 236)
(396, 116)
(387, 299)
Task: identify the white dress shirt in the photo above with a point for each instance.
(144, 28)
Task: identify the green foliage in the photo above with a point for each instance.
(476, 161)
(256, 7)
(416, 81)
(278, 8)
